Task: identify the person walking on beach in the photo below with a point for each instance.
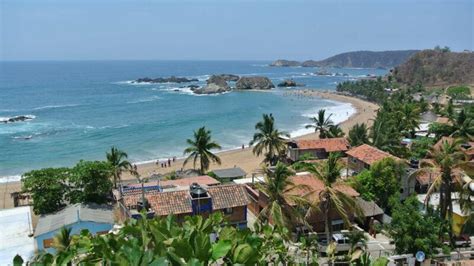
(169, 162)
(243, 146)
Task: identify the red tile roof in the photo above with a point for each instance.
(369, 154)
(426, 178)
(316, 186)
(329, 145)
(443, 139)
(179, 202)
(443, 120)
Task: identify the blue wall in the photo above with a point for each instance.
(76, 229)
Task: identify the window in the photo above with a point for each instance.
(47, 243)
(228, 210)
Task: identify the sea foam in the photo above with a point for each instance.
(8, 179)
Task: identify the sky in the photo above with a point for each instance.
(227, 29)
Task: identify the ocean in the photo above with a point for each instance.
(82, 108)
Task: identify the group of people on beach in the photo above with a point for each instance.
(166, 163)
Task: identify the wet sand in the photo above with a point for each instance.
(243, 158)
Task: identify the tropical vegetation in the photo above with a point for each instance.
(381, 182)
(53, 188)
(440, 163)
(282, 203)
(117, 159)
(164, 241)
(413, 231)
(200, 149)
(358, 135)
(331, 198)
(268, 140)
(322, 124)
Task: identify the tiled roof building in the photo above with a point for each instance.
(232, 199)
(363, 156)
(318, 148)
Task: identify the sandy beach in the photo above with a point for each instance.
(243, 158)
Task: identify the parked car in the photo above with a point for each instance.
(342, 241)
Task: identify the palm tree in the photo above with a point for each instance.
(278, 188)
(384, 134)
(441, 161)
(269, 139)
(357, 238)
(200, 148)
(321, 123)
(62, 240)
(335, 132)
(463, 126)
(117, 159)
(330, 198)
(410, 119)
(358, 135)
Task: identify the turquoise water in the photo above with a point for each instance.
(83, 108)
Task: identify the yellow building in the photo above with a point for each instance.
(459, 217)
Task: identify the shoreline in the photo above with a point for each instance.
(243, 158)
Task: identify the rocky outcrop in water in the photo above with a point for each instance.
(215, 84)
(323, 72)
(254, 83)
(192, 87)
(285, 63)
(290, 83)
(18, 118)
(226, 77)
(171, 79)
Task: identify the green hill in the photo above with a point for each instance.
(364, 59)
(436, 68)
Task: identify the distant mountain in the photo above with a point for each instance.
(437, 68)
(362, 59)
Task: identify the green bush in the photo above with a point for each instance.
(459, 93)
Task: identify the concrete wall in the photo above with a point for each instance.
(76, 229)
(356, 165)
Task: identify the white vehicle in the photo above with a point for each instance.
(342, 243)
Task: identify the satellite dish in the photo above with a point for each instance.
(420, 256)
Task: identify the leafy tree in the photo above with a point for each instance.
(90, 182)
(413, 231)
(47, 188)
(330, 198)
(358, 135)
(380, 182)
(277, 188)
(269, 139)
(321, 124)
(200, 148)
(117, 159)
